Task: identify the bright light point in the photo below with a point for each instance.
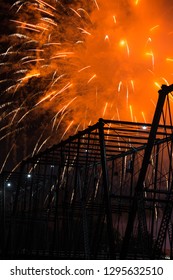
(94, 76)
(96, 4)
(148, 41)
(131, 112)
(122, 42)
(154, 27)
(84, 68)
(149, 53)
(114, 18)
(144, 127)
(29, 176)
(119, 86)
(132, 83)
(79, 42)
(106, 37)
(104, 111)
(143, 115)
(169, 59)
(84, 31)
(165, 81)
(8, 184)
(152, 57)
(76, 12)
(157, 85)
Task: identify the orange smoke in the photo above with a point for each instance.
(99, 53)
(84, 60)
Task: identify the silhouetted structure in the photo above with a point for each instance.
(105, 192)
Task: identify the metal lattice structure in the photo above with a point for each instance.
(86, 198)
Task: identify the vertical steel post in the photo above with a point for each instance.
(132, 175)
(2, 216)
(106, 190)
(74, 230)
(56, 227)
(154, 194)
(139, 187)
(65, 206)
(83, 204)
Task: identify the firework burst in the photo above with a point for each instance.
(70, 62)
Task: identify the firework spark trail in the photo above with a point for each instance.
(98, 57)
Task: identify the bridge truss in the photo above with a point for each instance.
(104, 193)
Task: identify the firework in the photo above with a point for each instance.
(67, 63)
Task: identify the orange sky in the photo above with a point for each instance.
(70, 64)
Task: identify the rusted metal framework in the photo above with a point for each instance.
(104, 193)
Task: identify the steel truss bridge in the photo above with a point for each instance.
(104, 193)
